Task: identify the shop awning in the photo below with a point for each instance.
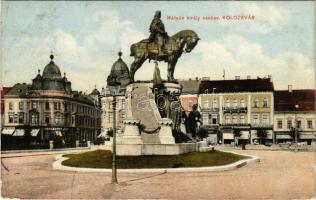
(19, 132)
(244, 135)
(228, 136)
(34, 132)
(8, 131)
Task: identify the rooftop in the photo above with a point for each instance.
(237, 85)
(189, 86)
(284, 100)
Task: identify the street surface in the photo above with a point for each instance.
(279, 175)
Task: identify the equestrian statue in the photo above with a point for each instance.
(160, 47)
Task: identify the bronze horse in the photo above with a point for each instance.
(174, 47)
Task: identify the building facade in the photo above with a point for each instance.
(49, 107)
(244, 106)
(294, 109)
(189, 95)
(4, 91)
(117, 81)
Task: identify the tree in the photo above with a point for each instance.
(58, 141)
(262, 135)
(237, 134)
(110, 132)
(71, 140)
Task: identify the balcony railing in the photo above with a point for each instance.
(235, 110)
(235, 124)
(210, 109)
(264, 125)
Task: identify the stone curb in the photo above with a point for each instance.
(59, 159)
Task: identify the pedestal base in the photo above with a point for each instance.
(154, 149)
(131, 132)
(165, 132)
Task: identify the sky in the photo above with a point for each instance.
(85, 38)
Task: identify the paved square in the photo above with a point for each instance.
(279, 175)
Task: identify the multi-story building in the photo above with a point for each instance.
(116, 82)
(243, 105)
(4, 90)
(49, 107)
(189, 93)
(294, 109)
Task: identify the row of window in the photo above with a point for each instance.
(57, 106)
(17, 118)
(236, 119)
(58, 120)
(255, 119)
(109, 117)
(242, 103)
(109, 105)
(290, 124)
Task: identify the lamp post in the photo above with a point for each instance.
(296, 125)
(114, 175)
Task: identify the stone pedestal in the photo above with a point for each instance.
(131, 133)
(165, 132)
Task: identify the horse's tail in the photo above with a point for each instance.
(132, 50)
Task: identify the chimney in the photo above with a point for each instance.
(205, 78)
(248, 77)
(237, 77)
(290, 88)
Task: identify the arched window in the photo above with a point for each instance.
(265, 102)
(227, 119)
(242, 103)
(242, 119)
(205, 103)
(227, 103)
(58, 119)
(10, 106)
(255, 103)
(256, 119)
(235, 104)
(214, 103)
(235, 119)
(34, 118)
(265, 118)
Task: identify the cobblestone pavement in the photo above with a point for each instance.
(279, 175)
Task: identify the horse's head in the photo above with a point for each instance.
(187, 38)
(191, 42)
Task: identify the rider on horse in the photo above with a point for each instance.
(158, 33)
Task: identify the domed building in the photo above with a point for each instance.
(51, 79)
(49, 107)
(117, 81)
(119, 76)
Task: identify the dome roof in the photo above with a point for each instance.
(51, 70)
(119, 73)
(95, 92)
(119, 67)
(38, 76)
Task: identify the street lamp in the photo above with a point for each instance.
(296, 125)
(114, 174)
